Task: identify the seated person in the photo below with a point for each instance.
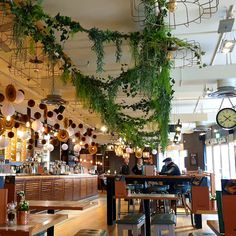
(125, 167)
(138, 168)
(170, 168)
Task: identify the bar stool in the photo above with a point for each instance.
(132, 223)
(164, 224)
(91, 232)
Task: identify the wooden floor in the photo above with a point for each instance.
(95, 217)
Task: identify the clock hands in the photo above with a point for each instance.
(227, 118)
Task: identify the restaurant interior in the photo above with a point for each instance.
(117, 117)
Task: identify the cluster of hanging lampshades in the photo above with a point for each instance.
(60, 128)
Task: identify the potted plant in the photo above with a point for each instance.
(23, 212)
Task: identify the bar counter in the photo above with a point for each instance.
(53, 187)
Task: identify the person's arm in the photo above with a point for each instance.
(171, 171)
(121, 170)
(163, 170)
(124, 170)
(134, 169)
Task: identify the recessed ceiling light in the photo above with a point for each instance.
(226, 50)
(227, 46)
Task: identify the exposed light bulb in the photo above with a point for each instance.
(178, 128)
(27, 124)
(104, 128)
(202, 133)
(8, 118)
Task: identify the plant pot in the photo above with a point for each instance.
(22, 217)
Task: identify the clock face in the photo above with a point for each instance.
(226, 118)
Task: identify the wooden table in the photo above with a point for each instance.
(111, 210)
(51, 206)
(37, 224)
(58, 205)
(214, 225)
(146, 200)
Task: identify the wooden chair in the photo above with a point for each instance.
(121, 192)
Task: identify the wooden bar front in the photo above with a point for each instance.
(54, 187)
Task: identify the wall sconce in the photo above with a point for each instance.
(177, 132)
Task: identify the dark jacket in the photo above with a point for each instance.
(171, 169)
(125, 170)
(136, 170)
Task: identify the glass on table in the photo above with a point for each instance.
(11, 213)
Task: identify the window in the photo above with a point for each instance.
(232, 160)
(220, 160)
(217, 165)
(177, 156)
(209, 161)
(224, 151)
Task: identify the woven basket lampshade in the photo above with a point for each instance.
(92, 150)
(10, 93)
(63, 135)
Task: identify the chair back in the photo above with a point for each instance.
(200, 198)
(228, 205)
(120, 188)
(3, 206)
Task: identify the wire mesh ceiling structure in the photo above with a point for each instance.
(185, 57)
(180, 12)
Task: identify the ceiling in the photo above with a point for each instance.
(190, 103)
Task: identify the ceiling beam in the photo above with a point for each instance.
(207, 73)
(189, 118)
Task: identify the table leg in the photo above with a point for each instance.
(111, 201)
(198, 221)
(50, 231)
(147, 216)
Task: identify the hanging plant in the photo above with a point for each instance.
(150, 76)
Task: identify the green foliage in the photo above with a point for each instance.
(21, 194)
(150, 76)
(23, 206)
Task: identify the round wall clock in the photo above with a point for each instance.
(226, 118)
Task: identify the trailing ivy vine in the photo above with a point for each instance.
(149, 77)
